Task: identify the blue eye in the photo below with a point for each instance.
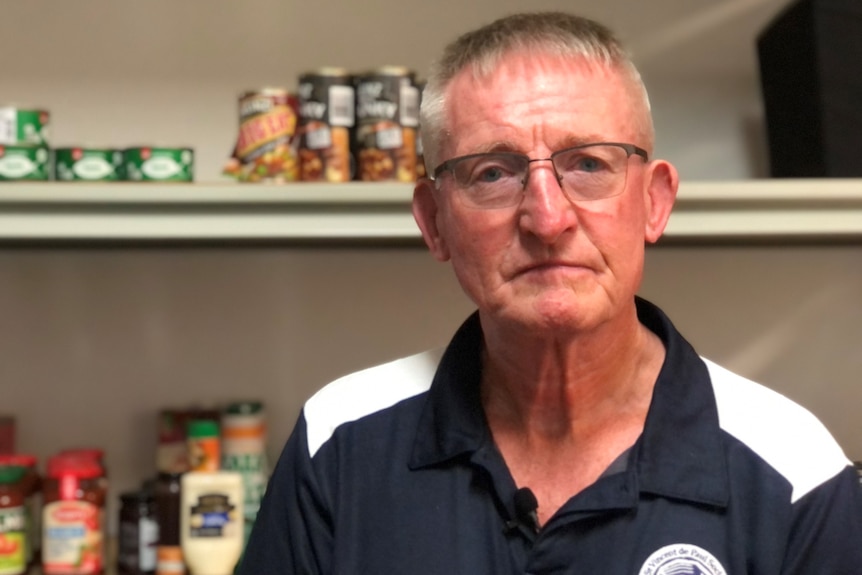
(490, 175)
(588, 164)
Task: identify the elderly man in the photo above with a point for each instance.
(568, 427)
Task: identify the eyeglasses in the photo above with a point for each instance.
(498, 179)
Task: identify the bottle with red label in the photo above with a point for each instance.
(72, 516)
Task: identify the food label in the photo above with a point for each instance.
(138, 542)
(8, 126)
(23, 127)
(72, 540)
(13, 542)
(387, 116)
(159, 164)
(266, 148)
(214, 515)
(23, 163)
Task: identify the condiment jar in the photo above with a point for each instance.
(243, 448)
(32, 482)
(169, 556)
(211, 525)
(139, 534)
(72, 517)
(13, 522)
(204, 445)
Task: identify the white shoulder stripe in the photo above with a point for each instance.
(365, 392)
(786, 435)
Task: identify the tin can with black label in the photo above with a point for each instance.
(420, 148)
(387, 116)
(153, 164)
(24, 163)
(326, 118)
(87, 164)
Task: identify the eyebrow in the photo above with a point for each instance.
(568, 141)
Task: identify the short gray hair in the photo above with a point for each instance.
(554, 33)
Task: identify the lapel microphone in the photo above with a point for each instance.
(526, 506)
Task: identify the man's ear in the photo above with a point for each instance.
(425, 212)
(662, 182)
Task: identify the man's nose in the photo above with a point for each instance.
(546, 211)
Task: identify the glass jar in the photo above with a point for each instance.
(72, 517)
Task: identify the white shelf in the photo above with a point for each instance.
(806, 210)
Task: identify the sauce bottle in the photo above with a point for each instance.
(72, 527)
(13, 522)
(204, 445)
(32, 485)
(139, 534)
(211, 521)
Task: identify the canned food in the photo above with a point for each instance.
(387, 115)
(88, 164)
(23, 127)
(420, 150)
(148, 164)
(266, 150)
(24, 163)
(326, 116)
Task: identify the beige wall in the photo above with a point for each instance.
(94, 342)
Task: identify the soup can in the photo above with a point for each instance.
(326, 118)
(266, 149)
(387, 118)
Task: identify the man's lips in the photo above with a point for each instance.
(550, 265)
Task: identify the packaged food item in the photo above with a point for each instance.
(326, 119)
(169, 556)
(266, 149)
(13, 521)
(204, 445)
(18, 163)
(139, 534)
(32, 486)
(24, 127)
(158, 164)
(420, 148)
(88, 164)
(169, 561)
(72, 517)
(387, 116)
(244, 451)
(211, 526)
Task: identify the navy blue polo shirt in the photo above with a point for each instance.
(393, 470)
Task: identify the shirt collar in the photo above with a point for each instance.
(678, 455)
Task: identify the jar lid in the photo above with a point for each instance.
(11, 474)
(136, 497)
(91, 452)
(202, 428)
(244, 407)
(74, 465)
(22, 459)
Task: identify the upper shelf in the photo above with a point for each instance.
(755, 210)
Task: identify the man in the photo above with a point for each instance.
(567, 428)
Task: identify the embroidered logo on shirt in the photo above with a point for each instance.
(682, 559)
